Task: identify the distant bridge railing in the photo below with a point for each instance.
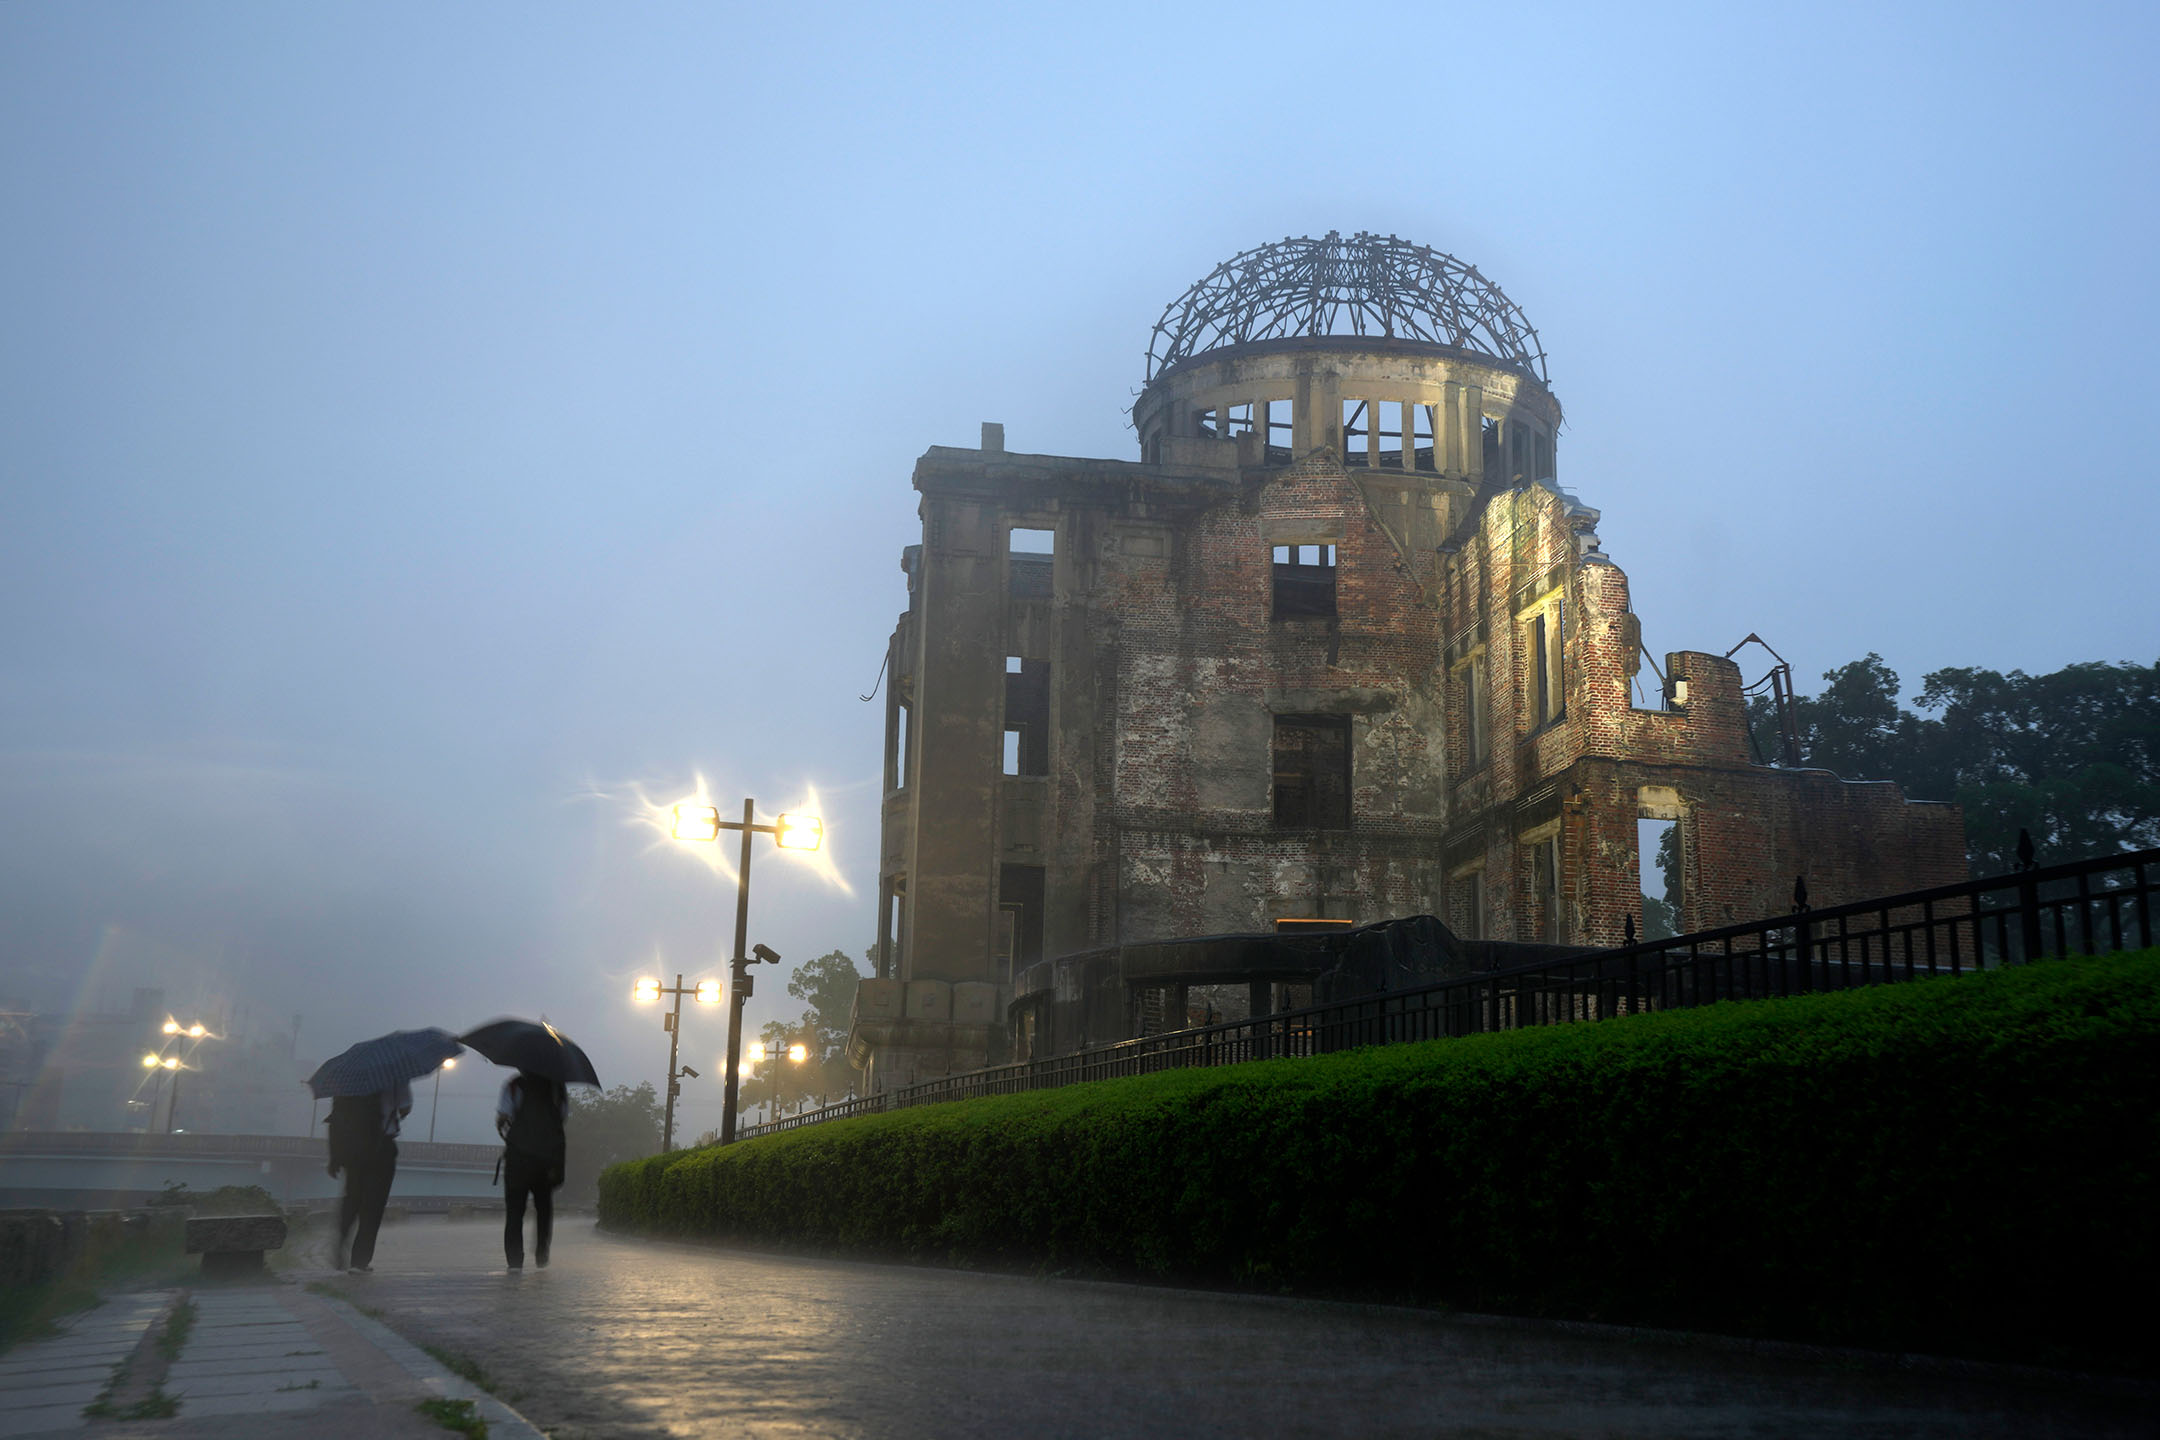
(2088, 907)
(122, 1144)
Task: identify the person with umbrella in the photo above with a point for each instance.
(370, 1090)
(530, 1116)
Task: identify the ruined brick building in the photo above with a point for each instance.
(1338, 645)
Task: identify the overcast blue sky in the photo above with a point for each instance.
(421, 427)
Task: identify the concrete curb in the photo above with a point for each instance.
(501, 1419)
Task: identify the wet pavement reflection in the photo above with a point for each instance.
(631, 1338)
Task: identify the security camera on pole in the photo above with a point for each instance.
(790, 832)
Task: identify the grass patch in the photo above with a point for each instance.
(461, 1417)
(1957, 1165)
(174, 1336)
(111, 1251)
(463, 1366)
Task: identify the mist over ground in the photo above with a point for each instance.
(427, 437)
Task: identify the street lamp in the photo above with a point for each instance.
(436, 1103)
(789, 832)
(797, 1053)
(196, 1033)
(706, 992)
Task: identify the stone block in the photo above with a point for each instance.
(232, 1234)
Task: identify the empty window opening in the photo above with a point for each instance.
(1489, 446)
(1204, 425)
(1388, 433)
(1312, 771)
(1304, 580)
(1544, 448)
(897, 717)
(1545, 891)
(1546, 698)
(1019, 933)
(1658, 844)
(1540, 673)
(1027, 718)
(1425, 424)
(1031, 563)
(1476, 726)
(1012, 664)
(1356, 432)
(1238, 421)
(1277, 415)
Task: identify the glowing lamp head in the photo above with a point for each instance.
(170, 1062)
(799, 832)
(745, 1071)
(196, 1031)
(757, 1051)
(449, 1064)
(149, 1062)
(645, 990)
(708, 992)
(697, 822)
(172, 1027)
(798, 1053)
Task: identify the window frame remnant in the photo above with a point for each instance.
(1312, 772)
(1302, 589)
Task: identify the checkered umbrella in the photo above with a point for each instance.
(383, 1063)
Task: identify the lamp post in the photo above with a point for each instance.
(436, 1103)
(789, 832)
(707, 992)
(175, 1033)
(796, 1054)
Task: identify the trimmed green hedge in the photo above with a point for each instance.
(1950, 1166)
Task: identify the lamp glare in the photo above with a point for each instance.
(645, 990)
(171, 1062)
(172, 1027)
(708, 992)
(798, 1053)
(799, 832)
(149, 1062)
(697, 822)
(757, 1050)
(196, 1031)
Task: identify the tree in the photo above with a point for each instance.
(827, 985)
(621, 1124)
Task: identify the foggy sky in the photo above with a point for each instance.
(423, 430)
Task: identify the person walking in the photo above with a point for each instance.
(363, 1146)
(529, 1114)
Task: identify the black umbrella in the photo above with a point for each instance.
(540, 1048)
(383, 1063)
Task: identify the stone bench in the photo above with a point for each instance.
(233, 1245)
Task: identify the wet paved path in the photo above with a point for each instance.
(626, 1338)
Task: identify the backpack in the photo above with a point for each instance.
(536, 1128)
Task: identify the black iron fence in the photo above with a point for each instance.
(2087, 908)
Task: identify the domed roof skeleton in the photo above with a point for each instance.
(1367, 285)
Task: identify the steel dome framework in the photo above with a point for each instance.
(1368, 285)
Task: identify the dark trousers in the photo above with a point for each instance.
(523, 1176)
(367, 1191)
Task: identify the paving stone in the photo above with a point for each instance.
(46, 1420)
(79, 1392)
(260, 1383)
(259, 1365)
(257, 1404)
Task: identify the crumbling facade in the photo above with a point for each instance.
(1337, 647)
